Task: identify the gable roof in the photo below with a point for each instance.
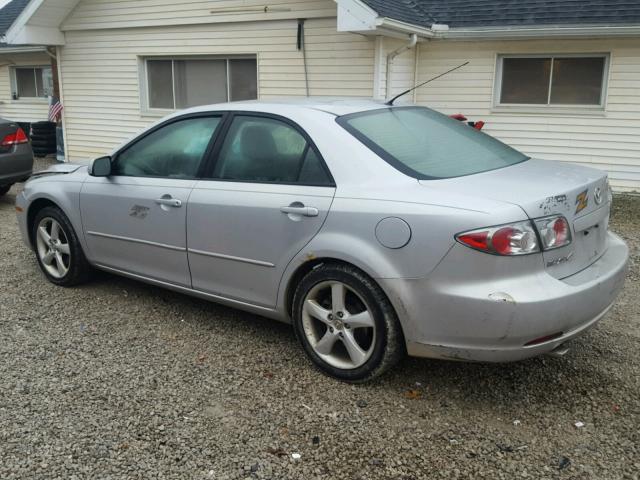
(9, 13)
(491, 13)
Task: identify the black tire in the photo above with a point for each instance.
(43, 127)
(45, 137)
(4, 189)
(79, 268)
(388, 347)
(43, 144)
(43, 152)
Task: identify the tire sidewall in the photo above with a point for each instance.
(77, 255)
(379, 314)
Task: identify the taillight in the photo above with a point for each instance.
(520, 238)
(554, 232)
(514, 239)
(15, 138)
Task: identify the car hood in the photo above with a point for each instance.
(59, 168)
(542, 188)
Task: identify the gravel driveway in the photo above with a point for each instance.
(118, 379)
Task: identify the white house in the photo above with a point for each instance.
(557, 79)
(26, 75)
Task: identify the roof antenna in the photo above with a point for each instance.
(390, 102)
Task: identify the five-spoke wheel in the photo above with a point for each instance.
(53, 248)
(58, 250)
(345, 323)
(338, 325)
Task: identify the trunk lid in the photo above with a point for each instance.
(542, 188)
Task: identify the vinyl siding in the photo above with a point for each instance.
(402, 70)
(101, 78)
(101, 14)
(22, 110)
(609, 140)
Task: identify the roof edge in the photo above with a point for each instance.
(538, 32)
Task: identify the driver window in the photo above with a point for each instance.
(173, 151)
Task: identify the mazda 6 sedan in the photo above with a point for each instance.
(375, 230)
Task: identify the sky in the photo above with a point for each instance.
(3, 3)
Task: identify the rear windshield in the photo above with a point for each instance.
(426, 144)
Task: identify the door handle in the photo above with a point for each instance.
(304, 211)
(169, 202)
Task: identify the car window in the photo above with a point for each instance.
(429, 145)
(260, 149)
(172, 151)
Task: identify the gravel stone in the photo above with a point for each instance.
(121, 380)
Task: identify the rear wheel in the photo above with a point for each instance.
(58, 250)
(346, 324)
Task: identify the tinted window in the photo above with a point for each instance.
(525, 80)
(173, 151)
(259, 149)
(552, 80)
(33, 82)
(426, 144)
(577, 81)
(181, 83)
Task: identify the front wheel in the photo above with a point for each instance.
(58, 250)
(346, 324)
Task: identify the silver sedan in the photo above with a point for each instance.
(376, 231)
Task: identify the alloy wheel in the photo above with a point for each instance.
(53, 247)
(338, 325)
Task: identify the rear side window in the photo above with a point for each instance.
(267, 150)
(428, 145)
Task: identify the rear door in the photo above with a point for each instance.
(266, 197)
(135, 219)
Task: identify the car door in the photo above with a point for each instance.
(134, 220)
(266, 197)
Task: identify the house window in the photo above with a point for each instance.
(32, 82)
(183, 83)
(558, 80)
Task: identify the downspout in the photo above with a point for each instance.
(391, 56)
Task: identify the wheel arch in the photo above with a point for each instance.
(34, 207)
(304, 268)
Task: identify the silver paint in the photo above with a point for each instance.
(245, 244)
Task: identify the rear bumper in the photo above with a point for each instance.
(466, 311)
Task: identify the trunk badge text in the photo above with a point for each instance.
(560, 260)
(582, 200)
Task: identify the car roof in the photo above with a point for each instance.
(332, 105)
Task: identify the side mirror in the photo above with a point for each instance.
(100, 167)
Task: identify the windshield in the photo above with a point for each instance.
(426, 144)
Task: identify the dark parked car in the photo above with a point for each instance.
(16, 157)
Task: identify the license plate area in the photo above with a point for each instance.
(589, 243)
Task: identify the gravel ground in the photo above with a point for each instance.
(118, 379)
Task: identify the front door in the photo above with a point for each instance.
(267, 197)
(135, 219)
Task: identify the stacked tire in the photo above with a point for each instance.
(43, 138)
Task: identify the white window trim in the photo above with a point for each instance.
(13, 81)
(146, 110)
(550, 107)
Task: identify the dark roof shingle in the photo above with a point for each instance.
(9, 13)
(491, 13)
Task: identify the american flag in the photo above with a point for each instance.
(55, 109)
